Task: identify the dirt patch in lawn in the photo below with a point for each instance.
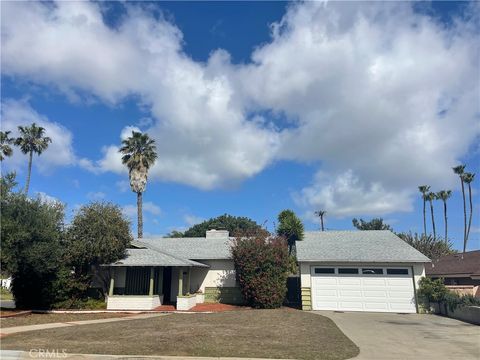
(247, 333)
(33, 319)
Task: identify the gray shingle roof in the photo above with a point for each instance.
(356, 246)
(192, 248)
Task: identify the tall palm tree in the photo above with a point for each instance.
(459, 170)
(467, 178)
(444, 195)
(321, 214)
(32, 140)
(424, 189)
(430, 197)
(5, 142)
(139, 154)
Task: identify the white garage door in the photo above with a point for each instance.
(363, 289)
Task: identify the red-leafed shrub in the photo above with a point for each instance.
(261, 265)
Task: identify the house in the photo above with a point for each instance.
(359, 271)
(339, 270)
(461, 272)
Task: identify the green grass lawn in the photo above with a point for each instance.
(280, 333)
(5, 294)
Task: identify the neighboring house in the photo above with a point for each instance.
(461, 272)
(340, 270)
(359, 271)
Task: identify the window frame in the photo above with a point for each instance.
(376, 271)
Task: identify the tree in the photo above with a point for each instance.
(444, 195)
(5, 142)
(321, 214)
(467, 178)
(31, 249)
(139, 154)
(290, 227)
(424, 189)
(234, 224)
(431, 197)
(261, 267)
(374, 224)
(459, 170)
(7, 183)
(32, 140)
(99, 234)
(427, 245)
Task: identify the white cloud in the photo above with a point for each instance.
(192, 219)
(384, 98)
(122, 185)
(148, 207)
(96, 195)
(47, 198)
(60, 150)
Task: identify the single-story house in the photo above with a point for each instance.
(461, 272)
(339, 270)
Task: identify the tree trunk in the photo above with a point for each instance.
(433, 220)
(464, 217)
(470, 217)
(446, 220)
(321, 219)
(424, 217)
(29, 172)
(139, 215)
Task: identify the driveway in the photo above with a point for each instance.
(408, 336)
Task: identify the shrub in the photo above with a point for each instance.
(454, 300)
(261, 265)
(432, 290)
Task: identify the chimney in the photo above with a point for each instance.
(216, 234)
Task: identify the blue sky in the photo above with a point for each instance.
(255, 107)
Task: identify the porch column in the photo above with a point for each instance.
(152, 277)
(112, 281)
(180, 281)
(188, 281)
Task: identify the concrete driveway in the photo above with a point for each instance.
(408, 336)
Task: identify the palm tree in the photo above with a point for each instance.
(444, 195)
(32, 140)
(424, 189)
(467, 178)
(139, 154)
(430, 197)
(459, 170)
(321, 213)
(5, 142)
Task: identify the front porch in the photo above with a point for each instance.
(150, 287)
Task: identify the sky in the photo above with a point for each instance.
(255, 107)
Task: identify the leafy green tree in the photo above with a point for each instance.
(431, 197)
(444, 195)
(234, 224)
(7, 183)
(261, 267)
(5, 142)
(139, 154)
(99, 234)
(31, 249)
(424, 189)
(459, 170)
(291, 228)
(174, 234)
(32, 140)
(428, 245)
(374, 224)
(468, 178)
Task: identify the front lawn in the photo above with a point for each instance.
(5, 294)
(33, 319)
(250, 333)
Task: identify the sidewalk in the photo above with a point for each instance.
(22, 355)
(18, 329)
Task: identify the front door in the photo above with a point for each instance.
(167, 284)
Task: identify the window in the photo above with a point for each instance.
(372, 271)
(397, 271)
(324, 271)
(348, 271)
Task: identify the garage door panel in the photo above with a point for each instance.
(363, 292)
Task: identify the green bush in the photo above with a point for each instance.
(432, 290)
(81, 304)
(261, 265)
(454, 300)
